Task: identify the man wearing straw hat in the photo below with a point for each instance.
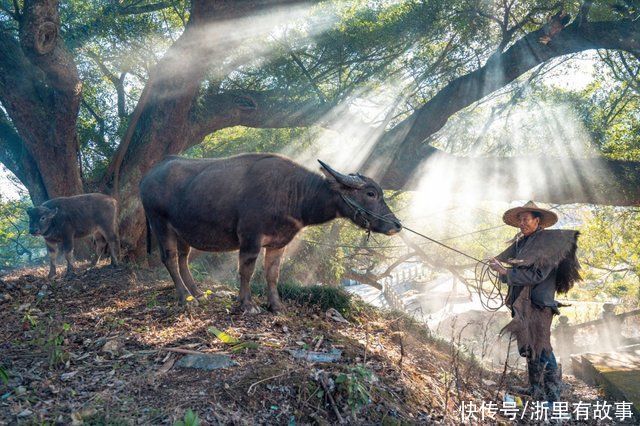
(541, 262)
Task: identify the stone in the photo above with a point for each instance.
(206, 362)
(313, 356)
(335, 315)
(113, 347)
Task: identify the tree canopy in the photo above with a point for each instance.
(93, 93)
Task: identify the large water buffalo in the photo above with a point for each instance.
(247, 202)
(62, 219)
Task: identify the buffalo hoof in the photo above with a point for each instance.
(51, 275)
(277, 307)
(248, 308)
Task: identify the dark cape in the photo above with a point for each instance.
(551, 247)
(544, 249)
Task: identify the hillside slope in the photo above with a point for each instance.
(106, 347)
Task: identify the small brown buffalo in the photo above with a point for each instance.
(248, 202)
(62, 219)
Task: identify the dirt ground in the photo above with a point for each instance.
(102, 348)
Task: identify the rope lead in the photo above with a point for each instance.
(491, 300)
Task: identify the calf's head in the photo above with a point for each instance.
(362, 201)
(40, 219)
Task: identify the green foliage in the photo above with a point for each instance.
(609, 249)
(30, 318)
(17, 247)
(58, 355)
(356, 384)
(190, 419)
(236, 140)
(4, 375)
(316, 295)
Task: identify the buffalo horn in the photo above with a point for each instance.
(352, 181)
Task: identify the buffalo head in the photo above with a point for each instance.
(362, 201)
(40, 219)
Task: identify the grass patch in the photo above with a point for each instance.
(323, 297)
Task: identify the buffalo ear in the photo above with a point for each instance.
(52, 212)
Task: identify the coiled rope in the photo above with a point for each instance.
(488, 285)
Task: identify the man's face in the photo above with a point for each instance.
(528, 223)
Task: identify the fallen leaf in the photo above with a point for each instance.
(224, 337)
(171, 359)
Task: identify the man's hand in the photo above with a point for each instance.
(497, 266)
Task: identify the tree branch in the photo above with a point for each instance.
(307, 74)
(583, 13)
(405, 144)
(267, 109)
(373, 279)
(124, 10)
(118, 82)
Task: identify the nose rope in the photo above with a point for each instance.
(491, 300)
(359, 210)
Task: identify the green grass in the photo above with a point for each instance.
(323, 297)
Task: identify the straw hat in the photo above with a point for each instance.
(547, 217)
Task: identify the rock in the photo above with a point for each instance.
(205, 362)
(5, 298)
(21, 390)
(25, 413)
(334, 315)
(113, 347)
(24, 307)
(313, 356)
(67, 376)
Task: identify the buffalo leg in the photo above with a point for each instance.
(183, 265)
(53, 253)
(67, 249)
(99, 245)
(249, 251)
(114, 246)
(168, 242)
(272, 258)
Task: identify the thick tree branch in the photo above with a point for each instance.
(405, 144)
(268, 109)
(140, 9)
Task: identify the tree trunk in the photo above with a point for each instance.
(40, 90)
(166, 121)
